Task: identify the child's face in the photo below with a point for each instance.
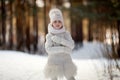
(57, 24)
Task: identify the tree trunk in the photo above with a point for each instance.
(3, 23)
(35, 26)
(20, 24)
(76, 27)
(45, 22)
(28, 38)
(89, 32)
(118, 26)
(11, 27)
(71, 20)
(27, 29)
(79, 32)
(73, 25)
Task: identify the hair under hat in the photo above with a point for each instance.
(55, 14)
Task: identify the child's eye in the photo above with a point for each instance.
(59, 21)
(55, 21)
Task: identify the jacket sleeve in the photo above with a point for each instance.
(68, 43)
(50, 49)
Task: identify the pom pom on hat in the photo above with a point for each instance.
(55, 14)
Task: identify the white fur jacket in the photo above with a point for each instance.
(58, 41)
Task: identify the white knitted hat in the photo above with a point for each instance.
(55, 14)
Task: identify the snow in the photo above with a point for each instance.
(15, 65)
(92, 50)
(21, 66)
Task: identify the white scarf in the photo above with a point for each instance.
(55, 31)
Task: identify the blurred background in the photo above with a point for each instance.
(23, 23)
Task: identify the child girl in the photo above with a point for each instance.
(59, 45)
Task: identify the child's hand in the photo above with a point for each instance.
(64, 42)
(56, 39)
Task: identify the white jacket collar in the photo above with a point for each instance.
(54, 31)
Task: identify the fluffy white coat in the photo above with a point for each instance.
(59, 47)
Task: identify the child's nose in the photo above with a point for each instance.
(57, 22)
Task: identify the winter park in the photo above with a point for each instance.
(59, 40)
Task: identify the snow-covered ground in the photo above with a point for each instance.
(92, 50)
(16, 65)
